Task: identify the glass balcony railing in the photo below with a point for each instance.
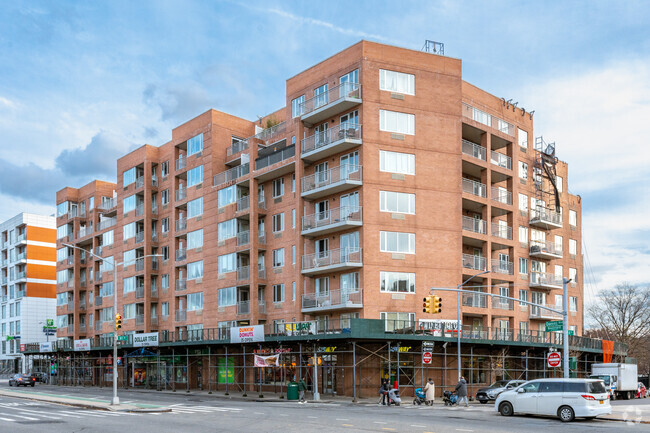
(474, 225)
(475, 150)
(474, 262)
(475, 188)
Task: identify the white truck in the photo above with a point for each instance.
(620, 379)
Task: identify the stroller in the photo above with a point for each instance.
(449, 398)
(393, 397)
(420, 397)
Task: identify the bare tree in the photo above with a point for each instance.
(623, 314)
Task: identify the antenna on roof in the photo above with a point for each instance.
(434, 47)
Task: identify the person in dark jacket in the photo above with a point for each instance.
(302, 387)
(383, 392)
(461, 391)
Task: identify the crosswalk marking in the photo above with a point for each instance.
(7, 419)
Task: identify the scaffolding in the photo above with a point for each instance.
(547, 198)
(434, 47)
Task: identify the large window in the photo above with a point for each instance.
(397, 82)
(400, 123)
(227, 229)
(128, 285)
(62, 231)
(227, 296)
(195, 301)
(278, 258)
(195, 239)
(106, 289)
(523, 266)
(573, 218)
(278, 222)
(107, 237)
(128, 257)
(523, 234)
(523, 202)
(573, 247)
(573, 304)
(396, 162)
(398, 202)
(400, 282)
(195, 270)
(128, 204)
(522, 138)
(61, 254)
(195, 145)
(195, 207)
(62, 276)
(397, 242)
(227, 196)
(128, 311)
(278, 293)
(62, 209)
(296, 108)
(523, 170)
(227, 263)
(397, 320)
(128, 177)
(128, 231)
(195, 176)
(278, 187)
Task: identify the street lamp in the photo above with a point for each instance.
(459, 287)
(115, 400)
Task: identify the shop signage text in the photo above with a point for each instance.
(246, 334)
(145, 340)
(82, 345)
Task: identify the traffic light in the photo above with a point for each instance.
(118, 321)
(436, 305)
(426, 304)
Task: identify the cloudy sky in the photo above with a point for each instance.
(81, 83)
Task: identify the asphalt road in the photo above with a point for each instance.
(209, 414)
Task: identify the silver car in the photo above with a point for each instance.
(492, 392)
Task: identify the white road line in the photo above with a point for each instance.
(313, 417)
(380, 422)
(25, 417)
(343, 419)
(259, 413)
(68, 415)
(7, 419)
(416, 425)
(462, 429)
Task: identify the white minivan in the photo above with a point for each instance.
(564, 398)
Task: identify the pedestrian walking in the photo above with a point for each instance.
(302, 387)
(430, 389)
(383, 392)
(461, 391)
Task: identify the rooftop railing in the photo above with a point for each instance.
(270, 135)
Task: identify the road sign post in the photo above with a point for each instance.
(426, 358)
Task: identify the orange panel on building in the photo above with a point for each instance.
(40, 290)
(42, 272)
(40, 234)
(35, 252)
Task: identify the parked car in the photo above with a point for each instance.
(492, 392)
(564, 398)
(22, 379)
(642, 391)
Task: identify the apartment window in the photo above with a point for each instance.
(128, 311)
(91, 203)
(523, 234)
(278, 293)
(523, 266)
(573, 247)
(195, 176)
(61, 254)
(523, 202)
(296, 107)
(322, 286)
(278, 258)
(394, 121)
(227, 229)
(278, 187)
(62, 208)
(397, 82)
(293, 179)
(559, 182)
(195, 145)
(128, 177)
(128, 285)
(397, 320)
(523, 170)
(128, 257)
(164, 281)
(559, 271)
(522, 138)
(573, 218)
(164, 251)
(523, 295)
(164, 197)
(397, 242)
(227, 196)
(62, 231)
(227, 263)
(398, 282)
(396, 162)
(195, 270)
(107, 237)
(128, 204)
(164, 225)
(558, 243)
(227, 296)
(397, 202)
(278, 222)
(195, 239)
(293, 254)
(106, 289)
(573, 304)
(573, 275)
(164, 309)
(164, 169)
(195, 207)
(128, 231)
(195, 301)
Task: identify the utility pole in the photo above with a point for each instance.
(565, 326)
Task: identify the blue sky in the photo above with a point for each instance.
(86, 78)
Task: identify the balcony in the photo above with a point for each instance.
(243, 204)
(139, 292)
(99, 301)
(332, 261)
(261, 203)
(181, 284)
(341, 138)
(501, 160)
(542, 314)
(181, 194)
(233, 150)
(545, 218)
(261, 272)
(275, 165)
(500, 303)
(261, 239)
(243, 273)
(475, 300)
(333, 220)
(501, 195)
(139, 264)
(139, 182)
(261, 307)
(181, 224)
(243, 238)
(501, 267)
(501, 231)
(139, 237)
(332, 300)
(243, 307)
(488, 120)
(20, 276)
(335, 180)
(542, 280)
(106, 223)
(181, 254)
(107, 205)
(230, 175)
(335, 101)
(545, 250)
(82, 328)
(99, 250)
(181, 162)
(474, 188)
(85, 231)
(98, 326)
(154, 321)
(71, 329)
(474, 225)
(139, 209)
(21, 257)
(181, 315)
(139, 319)
(474, 150)
(477, 263)
(154, 181)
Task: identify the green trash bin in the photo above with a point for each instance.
(292, 391)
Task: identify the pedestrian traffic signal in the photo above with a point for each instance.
(436, 305)
(118, 321)
(426, 304)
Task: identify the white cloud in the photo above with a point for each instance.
(4, 102)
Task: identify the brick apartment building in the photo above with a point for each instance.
(385, 175)
(27, 285)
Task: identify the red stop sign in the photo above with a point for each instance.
(426, 358)
(554, 359)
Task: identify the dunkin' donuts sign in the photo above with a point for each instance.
(247, 334)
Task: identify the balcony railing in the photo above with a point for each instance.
(475, 300)
(106, 223)
(261, 307)
(331, 177)
(139, 319)
(541, 313)
(243, 238)
(181, 254)
(21, 256)
(139, 264)
(181, 162)
(333, 217)
(488, 120)
(98, 250)
(107, 204)
(236, 147)
(20, 275)
(181, 315)
(85, 231)
(474, 225)
(334, 94)
(181, 284)
(243, 203)
(139, 237)
(139, 210)
(243, 273)
(501, 231)
(99, 301)
(545, 248)
(545, 217)
(501, 160)
(339, 133)
(500, 303)
(154, 320)
(181, 224)
(82, 327)
(542, 279)
(475, 150)
(502, 267)
(154, 181)
(475, 188)
(139, 292)
(231, 174)
(261, 272)
(270, 135)
(70, 329)
(340, 256)
(333, 299)
(243, 307)
(261, 203)
(139, 182)
(474, 262)
(274, 158)
(261, 238)
(98, 326)
(501, 195)
(181, 194)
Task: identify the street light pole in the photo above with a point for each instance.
(565, 325)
